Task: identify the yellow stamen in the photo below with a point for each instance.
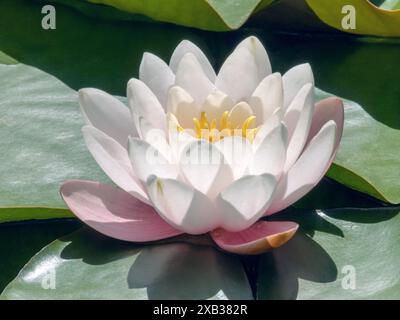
(246, 125)
(204, 120)
(213, 124)
(197, 127)
(224, 121)
(204, 129)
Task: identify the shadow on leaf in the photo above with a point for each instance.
(300, 258)
(162, 270)
(182, 271)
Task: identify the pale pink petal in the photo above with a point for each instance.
(268, 97)
(183, 207)
(245, 200)
(259, 238)
(265, 129)
(147, 160)
(308, 169)
(113, 159)
(294, 79)
(188, 47)
(239, 114)
(204, 168)
(114, 212)
(157, 75)
(182, 106)
(259, 54)
(237, 152)
(176, 139)
(244, 69)
(108, 114)
(271, 154)
(190, 76)
(325, 110)
(144, 103)
(238, 76)
(216, 104)
(297, 119)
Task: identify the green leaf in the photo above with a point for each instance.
(12, 214)
(20, 241)
(6, 59)
(331, 247)
(97, 10)
(215, 15)
(44, 146)
(89, 266)
(369, 155)
(330, 194)
(108, 61)
(370, 19)
(390, 5)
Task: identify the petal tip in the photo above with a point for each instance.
(263, 236)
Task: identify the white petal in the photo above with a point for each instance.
(205, 168)
(182, 106)
(144, 103)
(190, 76)
(270, 124)
(298, 119)
(157, 75)
(238, 76)
(271, 154)
(217, 103)
(156, 138)
(185, 47)
(294, 79)
(107, 114)
(114, 160)
(183, 207)
(144, 127)
(237, 152)
(177, 140)
(239, 114)
(267, 97)
(259, 54)
(147, 161)
(245, 200)
(308, 169)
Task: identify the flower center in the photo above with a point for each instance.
(218, 129)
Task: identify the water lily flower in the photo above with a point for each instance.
(198, 152)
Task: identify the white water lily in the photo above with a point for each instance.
(206, 152)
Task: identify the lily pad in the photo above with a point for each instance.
(337, 254)
(368, 159)
(215, 15)
(107, 61)
(6, 59)
(86, 265)
(390, 5)
(20, 241)
(370, 19)
(41, 143)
